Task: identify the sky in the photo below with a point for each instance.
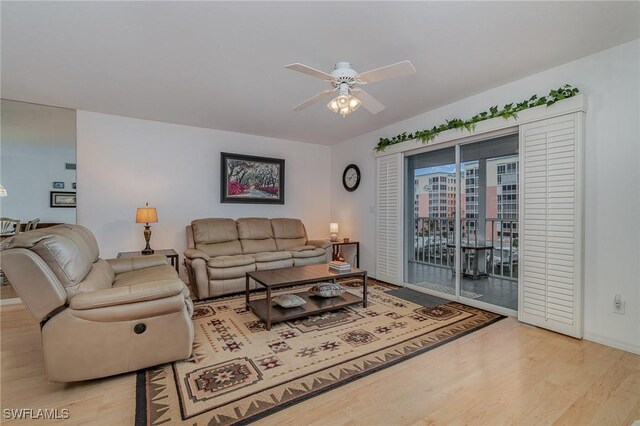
(448, 168)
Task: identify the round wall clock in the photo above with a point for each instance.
(351, 177)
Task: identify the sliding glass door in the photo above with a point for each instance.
(489, 221)
(479, 193)
(430, 220)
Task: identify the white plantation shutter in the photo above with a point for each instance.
(550, 242)
(389, 219)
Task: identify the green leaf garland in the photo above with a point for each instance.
(508, 111)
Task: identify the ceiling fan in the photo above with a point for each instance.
(347, 81)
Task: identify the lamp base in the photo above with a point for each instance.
(334, 238)
(147, 237)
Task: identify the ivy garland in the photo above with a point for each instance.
(508, 111)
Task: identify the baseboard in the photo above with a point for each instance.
(628, 347)
(14, 301)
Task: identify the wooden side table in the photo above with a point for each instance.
(170, 253)
(338, 244)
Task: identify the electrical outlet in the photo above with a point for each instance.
(618, 304)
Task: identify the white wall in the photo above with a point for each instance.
(37, 141)
(125, 162)
(611, 82)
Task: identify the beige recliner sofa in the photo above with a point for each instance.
(222, 251)
(98, 317)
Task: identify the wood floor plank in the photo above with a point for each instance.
(507, 373)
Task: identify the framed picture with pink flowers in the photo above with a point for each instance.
(250, 179)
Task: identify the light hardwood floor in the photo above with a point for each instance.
(507, 373)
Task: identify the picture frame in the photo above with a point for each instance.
(58, 185)
(62, 199)
(248, 179)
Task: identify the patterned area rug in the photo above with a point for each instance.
(240, 372)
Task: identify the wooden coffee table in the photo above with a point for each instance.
(310, 274)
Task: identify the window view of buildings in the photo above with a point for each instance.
(435, 197)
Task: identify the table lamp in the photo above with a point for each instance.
(147, 215)
(333, 228)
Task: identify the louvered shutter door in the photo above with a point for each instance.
(389, 219)
(551, 233)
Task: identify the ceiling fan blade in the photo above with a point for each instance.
(370, 103)
(391, 71)
(309, 71)
(312, 100)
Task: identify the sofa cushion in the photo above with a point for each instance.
(308, 253)
(301, 248)
(230, 272)
(216, 237)
(100, 276)
(121, 295)
(288, 228)
(82, 232)
(271, 256)
(257, 246)
(207, 231)
(255, 235)
(90, 239)
(66, 251)
(154, 273)
(230, 261)
(127, 264)
(287, 243)
(254, 228)
(227, 248)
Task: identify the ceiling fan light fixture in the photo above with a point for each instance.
(354, 103)
(344, 104)
(333, 106)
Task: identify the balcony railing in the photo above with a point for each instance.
(433, 234)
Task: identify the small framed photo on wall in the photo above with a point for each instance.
(62, 199)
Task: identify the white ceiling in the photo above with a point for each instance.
(221, 64)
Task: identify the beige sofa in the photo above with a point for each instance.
(222, 251)
(98, 317)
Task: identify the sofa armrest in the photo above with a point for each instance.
(127, 264)
(127, 294)
(192, 253)
(323, 244)
(198, 276)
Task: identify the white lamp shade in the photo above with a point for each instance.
(333, 228)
